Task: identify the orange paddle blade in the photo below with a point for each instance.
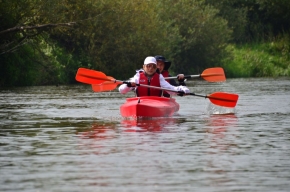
(215, 74)
(90, 76)
(223, 99)
(105, 86)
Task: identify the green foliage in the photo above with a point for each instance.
(114, 36)
(46, 64)
(195, 37)
(235, 12)
(254, 19)
(259, 59)
(275, 14)
(25, 55)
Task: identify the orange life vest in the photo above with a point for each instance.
(145, 91)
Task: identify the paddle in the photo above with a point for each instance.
(105, 86)
(218, 98)
(215, 74)
(93, 77)
(87, 76)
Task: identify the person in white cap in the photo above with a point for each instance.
(149, 76)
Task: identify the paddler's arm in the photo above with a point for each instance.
(180, 78)
(124, 88)
(165, 84)
(172, 82)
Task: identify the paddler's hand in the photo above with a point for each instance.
(131, 84)
(180, 93)
(182, 90)
(180, 77)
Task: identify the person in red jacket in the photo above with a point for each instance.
(149, 76)
(163, 66)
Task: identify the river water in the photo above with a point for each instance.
(68, 138)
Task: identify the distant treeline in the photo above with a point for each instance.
(45, 42)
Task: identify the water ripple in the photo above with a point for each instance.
(69, 138)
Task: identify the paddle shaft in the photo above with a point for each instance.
(164, 89)
(212, 98)
(185, 77)
(154, 87)
(124, 82)
(161, 88)
(215, 74)
(194, 76)
(96, 77)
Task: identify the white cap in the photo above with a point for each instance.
(149, 60)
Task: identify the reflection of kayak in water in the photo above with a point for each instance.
(221, 123)
(97, 131)
(103, 130)
(143, 125)
(149, 106)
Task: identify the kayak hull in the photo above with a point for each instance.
(149, 106)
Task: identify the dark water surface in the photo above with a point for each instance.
(68, 138)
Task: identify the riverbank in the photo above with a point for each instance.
(262, 59)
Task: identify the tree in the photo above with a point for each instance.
(25, 44)
(196, 36)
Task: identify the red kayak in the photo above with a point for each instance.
(149, 106)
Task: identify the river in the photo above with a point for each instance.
(68, 138)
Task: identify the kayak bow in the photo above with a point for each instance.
(149, 106)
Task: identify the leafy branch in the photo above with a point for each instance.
(21, 28)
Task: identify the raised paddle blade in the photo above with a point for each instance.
(215, 74)
(90, 76)
(105, 86)
(223, 99)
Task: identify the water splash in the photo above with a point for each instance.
(212, 109)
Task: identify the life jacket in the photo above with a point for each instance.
(145, 91)
(165, 74)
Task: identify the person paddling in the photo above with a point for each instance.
(149, 76)
(163, 66)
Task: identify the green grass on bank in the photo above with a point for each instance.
(267, 59)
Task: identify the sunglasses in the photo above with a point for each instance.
(151, 65)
